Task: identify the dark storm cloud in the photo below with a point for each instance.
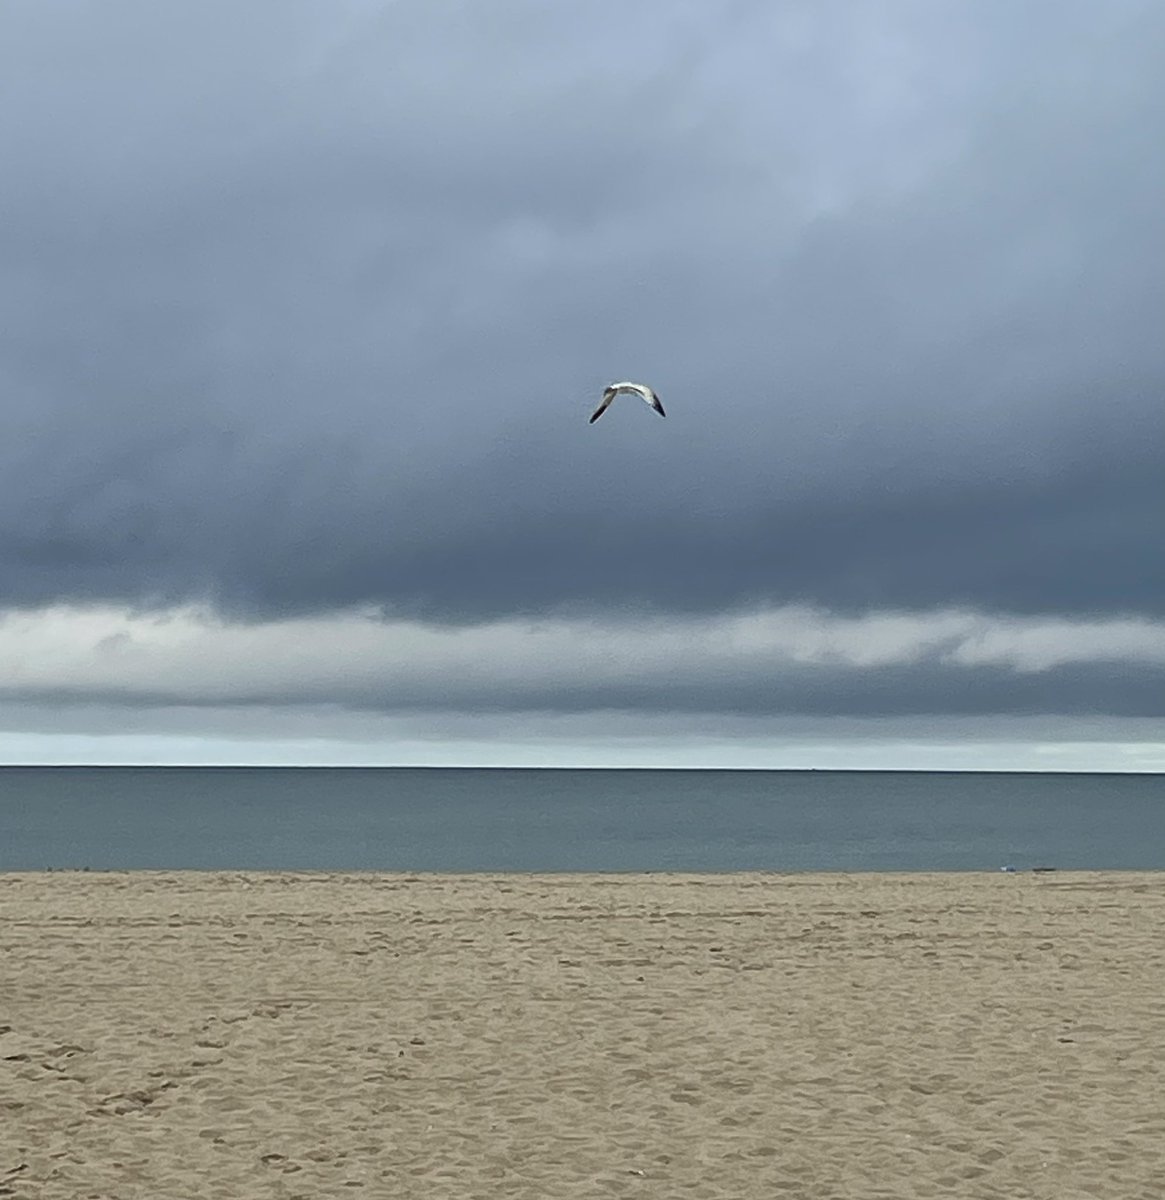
(305, 305)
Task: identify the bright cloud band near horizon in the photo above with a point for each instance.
(791, 686)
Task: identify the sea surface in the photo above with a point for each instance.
(422, 819)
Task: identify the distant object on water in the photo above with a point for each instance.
(636, 389)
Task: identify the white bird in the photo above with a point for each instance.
(636, 389)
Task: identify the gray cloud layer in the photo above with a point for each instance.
(304, 305)
(906, 691)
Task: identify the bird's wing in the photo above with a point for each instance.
(648, 396)
(604, 404)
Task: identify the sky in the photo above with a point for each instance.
(304, 307)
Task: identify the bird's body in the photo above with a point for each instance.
(641, 390)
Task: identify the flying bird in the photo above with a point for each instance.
(636, 389)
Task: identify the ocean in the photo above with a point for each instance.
(467, 820)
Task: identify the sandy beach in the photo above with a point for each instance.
(222, 1035)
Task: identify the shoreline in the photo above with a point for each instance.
(251, 875)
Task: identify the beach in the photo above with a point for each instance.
(742, 1035)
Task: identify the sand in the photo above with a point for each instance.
(236, 1036)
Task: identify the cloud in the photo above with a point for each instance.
(775, 662)
(305, 309)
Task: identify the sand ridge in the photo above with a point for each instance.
(297, 1035)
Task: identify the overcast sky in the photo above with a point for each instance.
(304, 307)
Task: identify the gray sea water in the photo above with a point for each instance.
(417, 819)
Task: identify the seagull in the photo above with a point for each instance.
(637, 389)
